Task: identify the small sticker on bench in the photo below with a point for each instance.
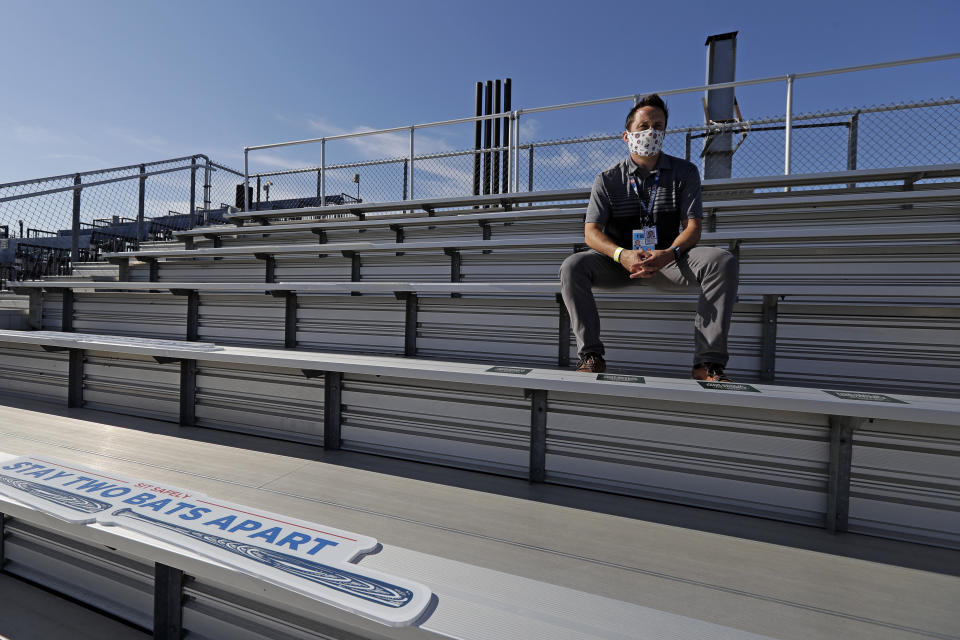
(727, 386)
(612, 377)
(866, 397)
(517, 371)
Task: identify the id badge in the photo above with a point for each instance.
(645, 239)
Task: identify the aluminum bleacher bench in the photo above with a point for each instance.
(844, 460)
(908, 175)
(947, 233)
(412, 293)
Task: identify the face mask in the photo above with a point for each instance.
(645, 143)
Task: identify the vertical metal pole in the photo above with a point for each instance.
(75, 237)
(193, 192)
(507, 123)
(258, 192)
(495, 158)
(140, 202)
(530, 170)
(853, 134)
(246, 177)
(206, 188)
(411, 162)
(406, 169)
(487, 110)
(477, 139)
(323, 172)
(319, 190)
(686, 155)
(515, 171)
(787, 151)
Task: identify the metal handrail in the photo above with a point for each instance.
(514, 116)
(85, 185)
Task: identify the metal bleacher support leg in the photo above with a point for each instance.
(167, 602)
(768, 341)
(456, 267)
(123, 270)
(66, 315)
(333, 383)
(538, 435)
(3, 534)
(412, 308)
(154, 269)
(563, 335)
(35, 319)
(270, 266)
(75, 378)
(188, 393)
(290, 320)
(838, 478)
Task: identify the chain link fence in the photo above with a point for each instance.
(48, 224)
(121, 207)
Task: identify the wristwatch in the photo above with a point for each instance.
(676, 252)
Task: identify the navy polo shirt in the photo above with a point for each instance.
(615, 206)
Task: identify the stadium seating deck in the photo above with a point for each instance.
(854, 314)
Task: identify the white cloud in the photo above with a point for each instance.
(37, 135)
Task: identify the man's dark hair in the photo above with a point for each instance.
(652, 100)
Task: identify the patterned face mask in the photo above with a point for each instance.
(645, 143)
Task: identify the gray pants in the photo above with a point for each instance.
(713, 271)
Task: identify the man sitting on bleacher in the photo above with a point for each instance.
(642, 225)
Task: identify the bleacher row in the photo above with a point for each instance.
(849, 281)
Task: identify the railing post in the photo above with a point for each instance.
(193, 192)
(406, 169)
(75, 233)
(412, 128)
(853, 134)
(140, 202)
(788, 133)
(323, 172)
(515, 157)
(206, 189)
(246, 179)
(530, 170)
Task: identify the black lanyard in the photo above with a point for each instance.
(646, 211)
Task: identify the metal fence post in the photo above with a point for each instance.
(412, 128)
(258, 192)
(206, 188)
(687, 148)
(246, 178)
(406, 169)
(853, 134)
(193, 192)
(515, 156)
(788, 129)
(140, 203)
(75, 233)
(323, 172)
(530, 171)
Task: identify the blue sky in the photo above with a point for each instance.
(97, 83)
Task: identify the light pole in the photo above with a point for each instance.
(356, 179)
(266, 188)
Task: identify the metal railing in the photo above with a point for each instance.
(512, 119)
(140, 198)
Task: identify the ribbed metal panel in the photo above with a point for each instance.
(330, 268)
(102, 578)
(470, 427)
(658, 336)
(496, 330)
(359, 324)
(250, 320)
(278, 403)
(418, 266)
(214, 612)
(512, 265)
(863, 215)
(913, 349)
(52, 311)
(132, 385)
(28, 370)
(146, 315)
(741, 460)
(905, 482)
(203, 270)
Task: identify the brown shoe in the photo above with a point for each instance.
(591, 363)
(709, 372)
